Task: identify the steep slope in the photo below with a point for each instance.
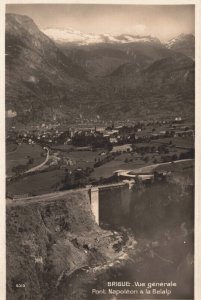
(101, 54)
(172, 70)
(102, 59)
(184, 43)
(164, 88)
(37, 73)
(49, 238)
(119, 80)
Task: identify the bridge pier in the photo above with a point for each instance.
(94, 197)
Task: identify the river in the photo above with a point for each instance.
(159, 220)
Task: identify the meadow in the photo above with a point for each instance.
(21, 155)
(36, 184)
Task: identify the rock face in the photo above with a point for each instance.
(48, 239)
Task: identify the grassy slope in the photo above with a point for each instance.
(20, 154)
(37, 184)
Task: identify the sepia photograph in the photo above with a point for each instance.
(100, 150)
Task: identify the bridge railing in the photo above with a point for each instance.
(107, 185)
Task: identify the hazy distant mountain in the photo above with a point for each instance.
(102, 59)
(101, 54)
(184, 43)
(171, 74)
(68, 35)
(112, 79)
(164, 87)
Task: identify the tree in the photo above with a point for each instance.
(153, 149)
(88, 170)
(166, 150)
(146, 159)
(19, 169)
(174, 157)
(31, 161)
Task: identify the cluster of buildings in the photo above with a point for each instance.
(57, 134)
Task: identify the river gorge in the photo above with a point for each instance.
(156, 225)
(145, 237)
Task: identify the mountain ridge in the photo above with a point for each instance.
(183, 43)
(69, 35)
(105, 79)
(36, 69)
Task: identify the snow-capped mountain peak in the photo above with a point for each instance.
(69, 35)
(180, 39)
(183, 43)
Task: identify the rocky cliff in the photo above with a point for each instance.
(46, 240)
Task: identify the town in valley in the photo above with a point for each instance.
(65, 157)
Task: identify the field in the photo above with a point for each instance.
(187, 142)
(21, 154)
(10, 147)
(73, 159)
(82, 159)
(63, 147)
(131, 161)
(87, 156)
(106, 170)
(37, 184)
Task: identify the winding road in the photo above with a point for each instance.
(36, 168)
(148, 169)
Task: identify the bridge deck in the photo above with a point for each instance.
(103, 186)
(58, 195)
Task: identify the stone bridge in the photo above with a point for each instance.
(93, 192)
(94, 196)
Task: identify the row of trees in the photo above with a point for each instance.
(77, 178)
(95, 141)
(183, 155)
(151, 149)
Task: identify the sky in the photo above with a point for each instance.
(161, 21)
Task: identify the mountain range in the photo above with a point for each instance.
(68, 35)
(68, 73)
